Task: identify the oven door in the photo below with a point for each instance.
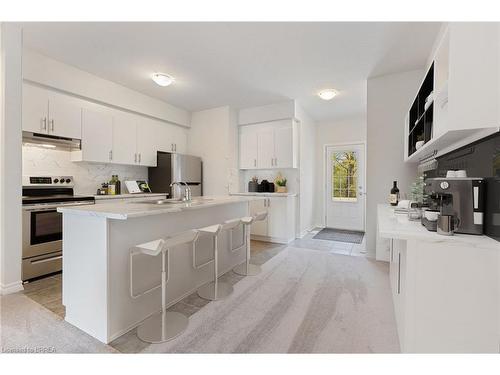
(42, 231)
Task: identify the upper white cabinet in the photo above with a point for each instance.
(124, 139)
(147, 141)
(458, 101)
(107, 135)
(248, 148)
(52, 113)
(170, 138)
(268, 145)
(112, 136)
(265, 147)
(97, 137)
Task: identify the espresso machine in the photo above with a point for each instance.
(460, 198)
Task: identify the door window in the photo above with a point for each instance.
(344, 176)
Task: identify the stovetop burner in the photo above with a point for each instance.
(51, 189)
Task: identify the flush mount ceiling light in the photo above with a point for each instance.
(327, 94)
(162, 79)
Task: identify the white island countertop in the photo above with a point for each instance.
(397, 226)
(126, 210)
(128, 195)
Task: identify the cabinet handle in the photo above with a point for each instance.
(139, 157)
(254, 162)
(111, 155)
(175, 147)
(135, 158)
(44, 123)
(391, 246)
(268, 202)
(399, 273)
(51, 122)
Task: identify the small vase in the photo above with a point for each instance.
(281, 189)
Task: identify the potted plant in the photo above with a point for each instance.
(280, 182)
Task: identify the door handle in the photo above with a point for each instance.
(399, 273)
(46, 260)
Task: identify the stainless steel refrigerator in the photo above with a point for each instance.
(176, 167)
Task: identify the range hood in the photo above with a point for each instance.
(50, 141)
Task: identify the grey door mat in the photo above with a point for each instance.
(340, 235)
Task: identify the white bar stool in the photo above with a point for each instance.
(247, 269)
(166, 325)
(215, 290)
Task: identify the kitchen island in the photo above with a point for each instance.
(97, 240)
(445, 289)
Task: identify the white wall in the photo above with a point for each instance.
(214, 137)
(87, 176)
(389, 99)
(344, 130)
(10, 158)
(46, 71)
(307, 172)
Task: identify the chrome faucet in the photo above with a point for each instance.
(187, 190)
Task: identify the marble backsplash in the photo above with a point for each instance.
(87, 176)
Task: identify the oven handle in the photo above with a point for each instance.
(46, 260)
(54, 206)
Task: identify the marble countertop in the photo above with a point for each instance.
(266, 194)
(122, 196)
(127, 210)
(397, 226)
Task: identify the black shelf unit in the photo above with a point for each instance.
(420, 120)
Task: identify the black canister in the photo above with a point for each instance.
(264, 186)
(253, 186)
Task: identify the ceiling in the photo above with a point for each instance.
(241, 64)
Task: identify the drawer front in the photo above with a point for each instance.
(41, 265)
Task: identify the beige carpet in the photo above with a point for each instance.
(27, 327)
(304, 301)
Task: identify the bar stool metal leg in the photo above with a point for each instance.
(247, 269)
(215, 290)
(167, 325)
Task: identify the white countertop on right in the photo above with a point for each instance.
(397, 226)
(255, 194)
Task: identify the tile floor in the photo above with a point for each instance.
(48, 291)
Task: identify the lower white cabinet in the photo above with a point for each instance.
(279, 225)
(446, 296)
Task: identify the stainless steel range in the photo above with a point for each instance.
(42, 224)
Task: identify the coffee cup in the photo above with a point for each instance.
(431, 215)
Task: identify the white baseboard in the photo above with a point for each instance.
(11, 288)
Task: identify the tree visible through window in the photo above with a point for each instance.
(344, 175)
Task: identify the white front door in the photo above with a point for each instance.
(345, 187)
